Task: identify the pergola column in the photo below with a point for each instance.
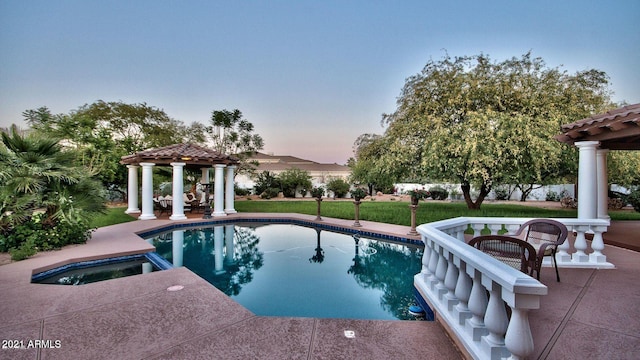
(132, 190)
(603, 184)
(177, 212)
(218, 195)
(230, 192)
(587, 180)
(147, 192)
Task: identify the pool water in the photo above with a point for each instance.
(98, 270)
(292, 270)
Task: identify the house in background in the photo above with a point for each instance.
(276, 164)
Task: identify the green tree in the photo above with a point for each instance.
(624, 168)
(231, 134)
(41, 183)
(294, 180)
(483, 123)
(364, 167)
(103, 132)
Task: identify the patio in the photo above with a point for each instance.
(590, 314)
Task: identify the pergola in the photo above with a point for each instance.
(594, 136)
(179, 157)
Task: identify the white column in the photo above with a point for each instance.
(147, 192)
(218, 195)
(205, 176)
(587, 186)
(603, 184)
(230, 192)
(177, 211)
(132, 190)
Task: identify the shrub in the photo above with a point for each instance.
(266, 180)
(634, 199)
(501, 192)
(37, 234)
(339, 187)
(292, 179)
(241, 191)
(270, 193)
(438, 193)
(552, 196)
(25, 250)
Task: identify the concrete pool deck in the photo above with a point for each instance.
(590, 314)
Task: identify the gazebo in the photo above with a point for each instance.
(179, 157)
(594, 136)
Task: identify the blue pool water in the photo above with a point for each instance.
(292, 270)
(87, 272)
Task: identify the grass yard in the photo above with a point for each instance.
(390, 212)
(398, 212)
(114, 215)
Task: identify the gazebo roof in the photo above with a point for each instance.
(617, 129)
(192, 155)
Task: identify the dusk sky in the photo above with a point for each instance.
(310, 75)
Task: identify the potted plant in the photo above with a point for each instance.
(318, 192)
(357, 194)
(417, 195)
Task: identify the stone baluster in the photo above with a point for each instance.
(460, 232)
(426, 255)
(580, 245)
(597, 245)
(496, 322)
(450, 281)
(494, 228)
(433, 265)
(441, 272)
(477, 305)
(512, 228)
(462, 292)
(477, 229)
(518, 339)
(563, 256)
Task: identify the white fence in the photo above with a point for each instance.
(468, 289)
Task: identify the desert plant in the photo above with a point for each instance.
(264, 181)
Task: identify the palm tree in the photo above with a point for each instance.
(36, 174)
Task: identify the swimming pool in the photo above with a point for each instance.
(293, 270)
(87, 272)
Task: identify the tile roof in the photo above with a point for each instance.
(191, 154)
(618, 129)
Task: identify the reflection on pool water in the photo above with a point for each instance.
(292, 270)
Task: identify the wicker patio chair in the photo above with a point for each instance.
(512, 251)
(545, 235)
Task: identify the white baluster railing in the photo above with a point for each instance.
(469, 289)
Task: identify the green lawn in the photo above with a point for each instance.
(114, 215)
(399, 213)
(390, 212)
